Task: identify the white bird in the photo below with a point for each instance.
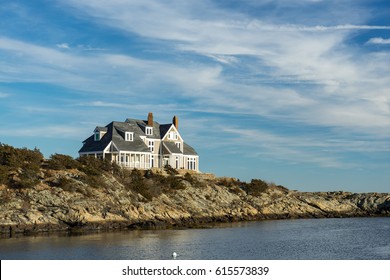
(174, 255)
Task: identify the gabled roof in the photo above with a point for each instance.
(101, 128)
(115, 133)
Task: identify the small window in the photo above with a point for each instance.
(149, 130)
(172, 135)
(178, 144)
(129, 136)
(97, 136)
(151, 146)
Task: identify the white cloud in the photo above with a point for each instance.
(46, 131)
(300, 149)
(378, 40)
(63, 46)
(98, 72)
(4, 95)
(299, 73)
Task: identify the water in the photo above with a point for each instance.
(350, 239)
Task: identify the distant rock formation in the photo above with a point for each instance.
(67, 200)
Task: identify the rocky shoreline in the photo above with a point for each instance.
(199, 200)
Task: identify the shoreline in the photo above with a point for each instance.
(69, 200)
(15, 231)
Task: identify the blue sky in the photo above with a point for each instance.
(292, 92)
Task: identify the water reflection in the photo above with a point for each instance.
(359, 238)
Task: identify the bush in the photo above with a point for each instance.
(60, 162)
(4, 174)
(18, 158)
(194, 181)
(256, 187)
(20, 167)
(170, 170)
(94, 166)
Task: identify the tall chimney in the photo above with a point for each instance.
(150, 119)
(175, 122)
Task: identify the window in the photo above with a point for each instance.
(129, 136)
(151, 146)
(172, 135)
(149, 130)
(97, 136)
(152, 161)
(178, 144)
(177, 162)
(191, 162)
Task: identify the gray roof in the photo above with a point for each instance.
(101, 128)
(188, 150)
(171, 148)
(115, 132)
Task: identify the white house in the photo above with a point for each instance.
(142, 144)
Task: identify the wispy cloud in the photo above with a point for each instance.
(46, 131)
(298, 70)
(378, 40)
(63, 46)
(302, 149)
(4, 95)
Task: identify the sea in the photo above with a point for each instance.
(301, 239)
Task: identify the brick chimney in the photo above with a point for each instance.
(150, 119)
(175, 122)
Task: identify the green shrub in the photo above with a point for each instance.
(16, 158)
(61, 162)
(95, 166)
(256, 187)
(20, 167)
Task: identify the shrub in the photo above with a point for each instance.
(25, 178)
(95, 166)
(16, 158)
(60, 162)
(20, 167)
(194, 181)
(4, 174)
(256, 187)
(170, 170)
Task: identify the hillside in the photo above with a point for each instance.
(63, 194)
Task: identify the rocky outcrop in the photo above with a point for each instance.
(78, 206)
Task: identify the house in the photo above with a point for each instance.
(142, 144)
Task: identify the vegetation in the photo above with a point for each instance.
(19, 168)
(61, 162)
(24, 168)
(256, 187)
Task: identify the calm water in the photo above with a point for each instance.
(356, 238)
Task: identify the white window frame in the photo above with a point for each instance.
(178, 144)
(129, 136)
(191, 163)
(151, 145)
(149, 130)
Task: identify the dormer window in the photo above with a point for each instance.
(99, 132)
(148, 130)
(172, 135)
(129, 136)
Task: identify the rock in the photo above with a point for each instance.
(200, 200)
